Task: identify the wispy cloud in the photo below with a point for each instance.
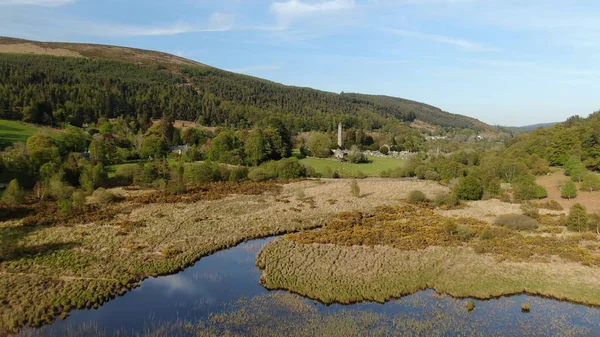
(256, 68)
(465, 45)
(217, 22)
(44, 3)
(289, 11)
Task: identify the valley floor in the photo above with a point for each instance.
(61, 267)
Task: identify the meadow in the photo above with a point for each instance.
(372, 169)
(13, 131)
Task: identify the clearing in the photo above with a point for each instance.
(372, 169)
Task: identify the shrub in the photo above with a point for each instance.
(530, 210)
(384, 150)
(78, 199)
(258, 174)
(415, 197)
(526, 307)
(102, 196)
(590, 183)
(125, 173)
(578, 218)
(525, 188)
(516, 222)
(551, 205)
(486, 235)
(14, 194)
(450, 227)
(238, 173)
(431, 175)
(447, 200)
(541, 192)
(568, 190)
(354, 188)
(469, 188)
(201, 173)
(464, 233)
(65, 206)
(290, 168)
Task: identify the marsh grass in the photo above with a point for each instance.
(395, 251)
(66, 262)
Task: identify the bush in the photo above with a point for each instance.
(415, 197)
(516, 222)
(202, 173)
(384, 150)
(469, 188)
(568, 190)
(551, 205)
(238, 173)
(486, 235)
(525, 188)
(530, 210)
(541, 192)
(447, 200)
(450, 227)
(14, 194)
(102, 196)
(290, 168)
(355, 189)
(431, 175)
(125, 173)
(578, 218)
(78, 199)
(258, 174)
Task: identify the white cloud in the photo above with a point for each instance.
(461, 44)
(44, 3)
(217, 22)
(289, 11)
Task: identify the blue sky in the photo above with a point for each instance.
(501, 61)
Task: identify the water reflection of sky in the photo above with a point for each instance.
(218, 282)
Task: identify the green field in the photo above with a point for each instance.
(13, 131)
(372, 169)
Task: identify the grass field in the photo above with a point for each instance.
(372, 169)
(13, 131)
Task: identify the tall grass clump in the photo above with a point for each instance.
(415, 197)
(354, 188)
(516, 222)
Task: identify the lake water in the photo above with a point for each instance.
(221, 294)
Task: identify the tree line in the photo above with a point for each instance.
(63, 90)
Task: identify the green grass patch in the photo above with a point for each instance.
(13, 131)
(372, 169)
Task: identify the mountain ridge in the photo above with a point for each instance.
(352, 108)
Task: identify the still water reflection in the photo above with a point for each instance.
(226, 285)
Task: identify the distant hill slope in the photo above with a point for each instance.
(164, 83)
(529, 128)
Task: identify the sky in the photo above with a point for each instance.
(502, 61)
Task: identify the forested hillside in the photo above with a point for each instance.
(576, 138)
(92, 81)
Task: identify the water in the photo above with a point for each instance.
(227, 283)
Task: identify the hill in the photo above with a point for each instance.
(79, 83)
(529, 128)
(577, 137)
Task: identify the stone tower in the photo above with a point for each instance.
(340, 143)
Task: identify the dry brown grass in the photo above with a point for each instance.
(591, 200)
